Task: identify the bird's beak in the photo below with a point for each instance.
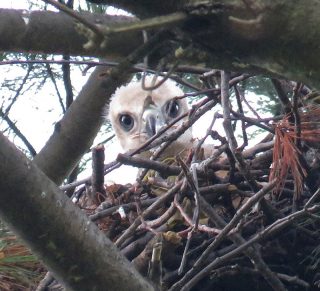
(153, 120)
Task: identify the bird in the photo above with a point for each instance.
(136, 115)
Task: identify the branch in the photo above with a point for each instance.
(97, 179)
(27, 31)
(60, 231)
(160, 167)
(51, 75)
(17, 131)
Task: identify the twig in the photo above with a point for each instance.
(157, 85)
(66, 73)
(201, 227)
(97, 178)
(252, 121)
(225, 103)
(161, 219)
(313, 198)
(126, 207)
(294, 280)
(135, 68)
(17, 131)
(242, 97)
(258, 148)
(147, 212)
(160, 167)
(147, 24)
(201, 141)
(195, 189)
(243, 126)
(282, 95)
(155, 267)
(17, 94)
(297, 123)
(76, 16)
(50, 73)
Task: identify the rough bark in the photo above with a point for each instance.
(57, 231)
(54, 33)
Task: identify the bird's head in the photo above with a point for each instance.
(136, 114)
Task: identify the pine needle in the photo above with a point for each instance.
(286, 155)
(19, 269)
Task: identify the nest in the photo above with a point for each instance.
(225, 223)
(240, 218)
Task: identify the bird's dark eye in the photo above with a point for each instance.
(126, 121)
(172, 108)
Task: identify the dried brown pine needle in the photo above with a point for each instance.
(286, 155)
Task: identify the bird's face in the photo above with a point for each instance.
(136, 115)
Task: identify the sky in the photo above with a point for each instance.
(16, 4)
(37, 112)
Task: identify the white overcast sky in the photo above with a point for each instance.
(36, 113)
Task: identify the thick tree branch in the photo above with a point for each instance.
(74, 249)
(55, 33)
(228, 35)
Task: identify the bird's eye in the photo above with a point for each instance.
(126, 121)
(172, 108)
